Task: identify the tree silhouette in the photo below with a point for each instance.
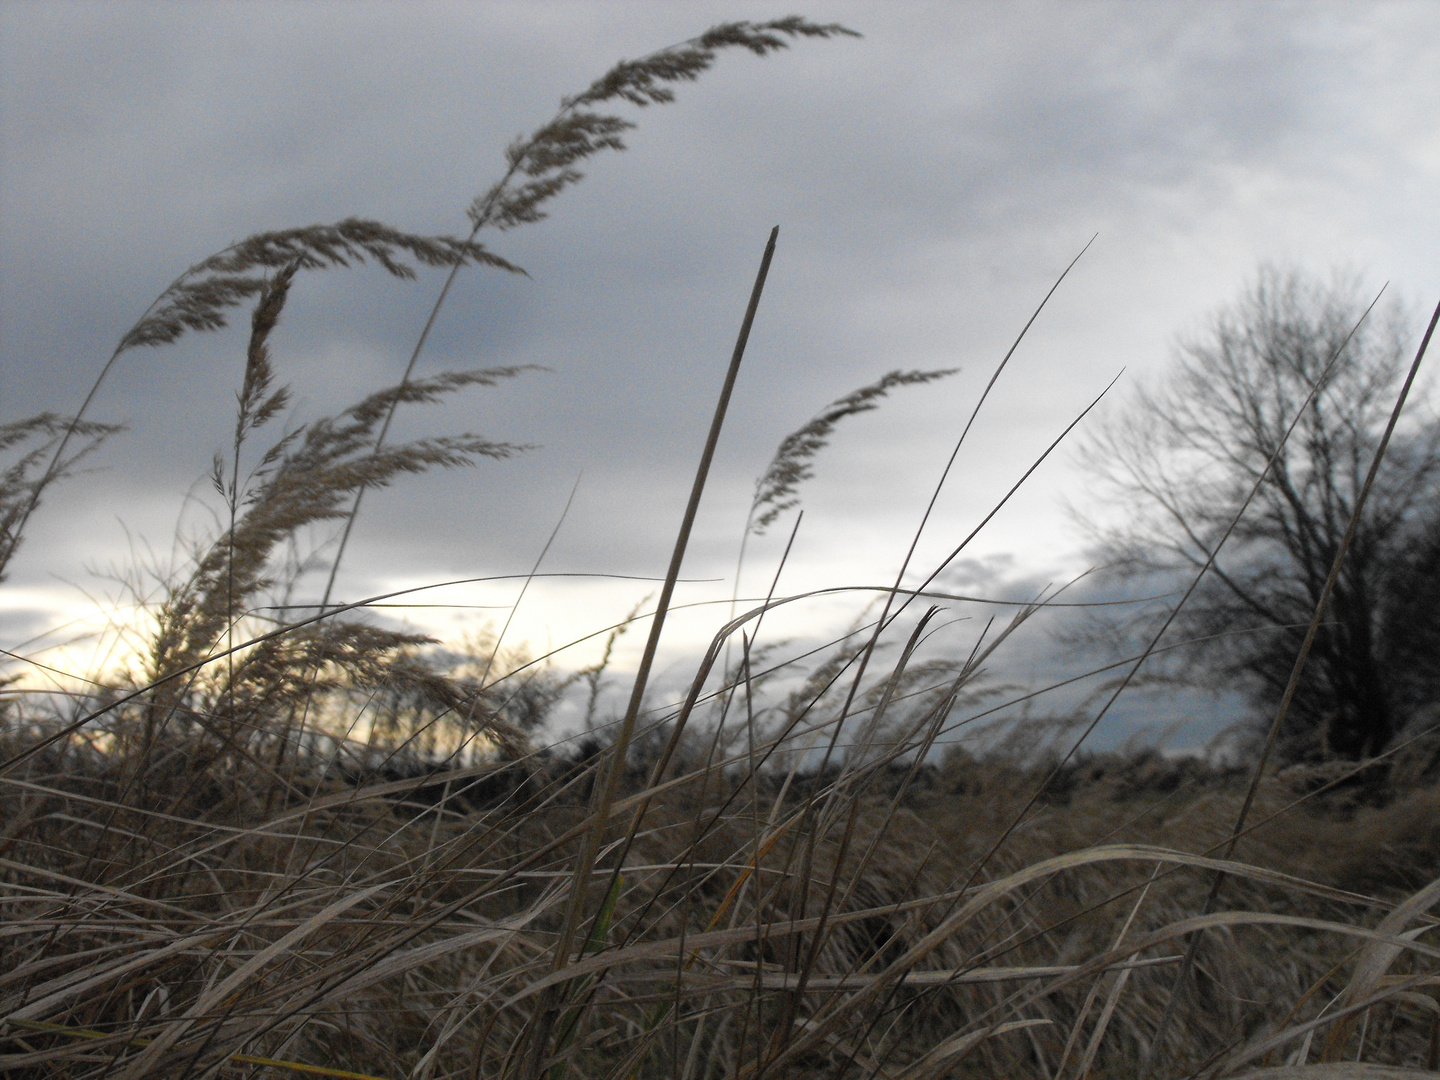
(1175, 468)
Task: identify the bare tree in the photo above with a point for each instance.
(1175, 468)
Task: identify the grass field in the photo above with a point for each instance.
(324, 847)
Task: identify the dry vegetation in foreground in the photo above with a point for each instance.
(323, 848)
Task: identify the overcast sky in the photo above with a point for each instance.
(930, 181)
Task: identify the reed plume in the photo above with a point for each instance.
(35, 439)
(776, 491)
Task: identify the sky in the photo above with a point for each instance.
(931, 179)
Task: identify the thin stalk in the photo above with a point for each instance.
(539, 559)
(54, 467)
(595, 835)
(885, 618)
(390, 417)
(699, 830)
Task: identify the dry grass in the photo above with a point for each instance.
(325, 848)
(406, 928)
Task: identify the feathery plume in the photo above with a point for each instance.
(200, 298)
(776, 490)
(20, 488)
(543, 165)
